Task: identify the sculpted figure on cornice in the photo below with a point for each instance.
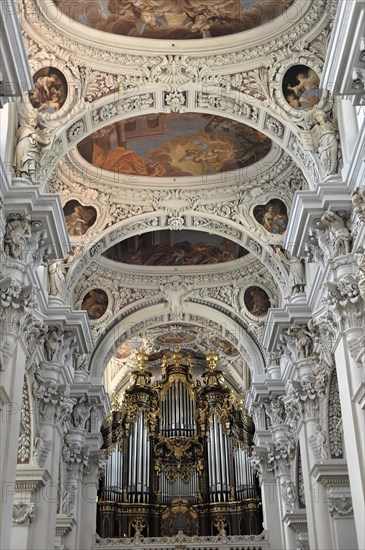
(327, 142)
(296, 271)
(276, 411)
(358, 201)
(293, 416)
(17, 236)
(57, 273)
(298, 340)
(81, 412)
(289, 495)
(53, 344)
(340, 236)
(32, 142)
(40, 447)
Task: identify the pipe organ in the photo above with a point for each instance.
(177, 453)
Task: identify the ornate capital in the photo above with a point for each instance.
(76, 456)
(279, 456)
(345, 304)
(55, 406)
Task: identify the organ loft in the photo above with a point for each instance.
(178, 451)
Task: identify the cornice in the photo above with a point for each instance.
(331, 473)
(30, 478)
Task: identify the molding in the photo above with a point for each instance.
(297, 520)
(15, 73)
(331, 473)
(343, 56)
(359, 396)
(30, 478)
(64, 524)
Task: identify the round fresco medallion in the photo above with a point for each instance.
(175, 144)
(50, 90)
(174, 19)
(256, 301)
(273, 216)
(225, 346)
(301, 88)
(78, 218)
(95, 303)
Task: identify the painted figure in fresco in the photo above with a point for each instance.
(80, 220)
(305, 94)
(273, 218)
(256, 301)
(95, 303)
(178, 145)
(171, 19)
(49, 93)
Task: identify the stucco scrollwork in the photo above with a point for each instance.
(23, 512)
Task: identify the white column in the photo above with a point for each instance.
(51, 422)
(319, 526)
(350, 377)
(87, 518)
(272, 512)
(348, 127)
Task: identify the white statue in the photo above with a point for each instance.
(321, 442)
(80, 412)
(53, 343)
(30, 142)
(296, 275)
(289, 494)
(65, 502)
(340, 235)
(17, 233)
(39, 446)
(326, 142)
(57, 271)
(296, 270)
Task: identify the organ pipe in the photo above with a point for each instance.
(178, 441)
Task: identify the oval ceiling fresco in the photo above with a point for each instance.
(173, 19)
(189, 144)
(164, 248)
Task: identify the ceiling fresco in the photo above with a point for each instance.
(164, 248)
(188, 144)
(173, 19)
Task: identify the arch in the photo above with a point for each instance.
(121, 329)
(152, 100)
(201, 221)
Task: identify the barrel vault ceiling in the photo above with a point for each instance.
(177, 151)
